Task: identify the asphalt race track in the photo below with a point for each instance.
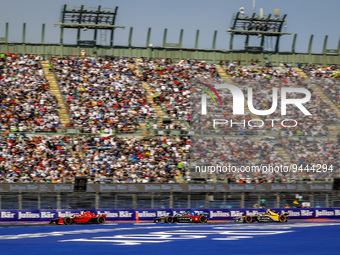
(290, 238)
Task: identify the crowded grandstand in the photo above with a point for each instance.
(107, 99)
(185, 145)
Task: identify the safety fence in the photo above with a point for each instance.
(167, 200)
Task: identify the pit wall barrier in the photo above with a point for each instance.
(150, 214)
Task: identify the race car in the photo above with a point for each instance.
(268, 216)
(188, 217)
(84, 218)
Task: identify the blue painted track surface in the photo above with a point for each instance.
(174, 239)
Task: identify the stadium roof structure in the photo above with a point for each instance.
(257, 25)
(84, 19)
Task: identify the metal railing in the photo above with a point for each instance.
(164, 200)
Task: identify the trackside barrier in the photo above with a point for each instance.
(150, 214)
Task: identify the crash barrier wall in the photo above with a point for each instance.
(169, 187)
(150, 214)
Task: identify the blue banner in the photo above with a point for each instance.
(150, 214)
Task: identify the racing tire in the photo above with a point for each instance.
(169, 219)
(101, 220)
(282, 218)
(248, 219)
(203, 219)
(67, 221)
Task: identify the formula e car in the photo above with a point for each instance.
(188, 217)
(268, 216)
(84, 218)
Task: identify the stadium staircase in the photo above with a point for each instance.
(317, 90)
(63, 113)
(149, 98)
(160, 113)
(228, 80)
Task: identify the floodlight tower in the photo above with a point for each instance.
(257, 25)
(86, 19)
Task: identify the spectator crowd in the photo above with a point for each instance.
(26, 102)
(106, 96)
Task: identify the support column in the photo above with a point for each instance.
(311, 199)
(58, 201)
(130, 36)
(24, 32)
(7, 32)
(207, 196)
(39, 201)
(96, 202)
(0, 203)
(277, 200)
(164, 36)
(148, 37)
(152, 200)
(325, 45)
(189, 201)
(242, 200)
(294, 42)
(61, 28)
(96, 30)
(20, 201)
(262, 41)
(196, 40)
(171, 200)
(214, 40)
(43, 33)
(80, 17)
(231, 41)
(224, 204)
(277, 44)
(310, 44)
(181, 38)
(113, 22)
(111, 37)
(327, 201)
(134, 201)
(246, 42)
(61, 36)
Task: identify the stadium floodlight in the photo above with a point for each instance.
(88, 20)
(260, 26)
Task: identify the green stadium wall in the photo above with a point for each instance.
(209, 55)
